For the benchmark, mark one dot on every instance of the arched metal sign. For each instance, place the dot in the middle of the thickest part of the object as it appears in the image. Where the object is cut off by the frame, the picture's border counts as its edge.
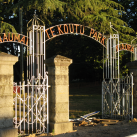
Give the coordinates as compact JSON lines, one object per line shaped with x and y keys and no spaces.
{"x":55,"y":31}
{"x":71,"y":28}
{"x":14,"y":37}
{"x":126,"y":47}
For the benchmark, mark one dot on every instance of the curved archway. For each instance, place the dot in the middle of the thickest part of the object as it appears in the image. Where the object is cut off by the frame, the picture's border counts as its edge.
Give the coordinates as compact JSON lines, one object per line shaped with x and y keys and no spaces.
{"x":125,"y":46}
{"x":71,"y":28}
{"x":14,"y":37}
{"x":55,"y":31}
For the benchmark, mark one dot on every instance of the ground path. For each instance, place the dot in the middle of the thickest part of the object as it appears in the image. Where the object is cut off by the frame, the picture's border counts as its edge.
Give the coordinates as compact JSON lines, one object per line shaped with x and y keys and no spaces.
{"x":121,"y":129}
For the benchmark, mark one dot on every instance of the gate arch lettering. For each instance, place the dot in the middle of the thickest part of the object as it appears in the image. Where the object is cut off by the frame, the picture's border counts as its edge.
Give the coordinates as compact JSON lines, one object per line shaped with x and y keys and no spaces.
{"x":125,"y":46}
{"x":14,"y":37}
{"x":63,"y":29}
{"x":55,"y":31}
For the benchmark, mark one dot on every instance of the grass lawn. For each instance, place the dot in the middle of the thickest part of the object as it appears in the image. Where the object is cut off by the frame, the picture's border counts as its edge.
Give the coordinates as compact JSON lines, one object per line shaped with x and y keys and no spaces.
{"x":84,"y":97}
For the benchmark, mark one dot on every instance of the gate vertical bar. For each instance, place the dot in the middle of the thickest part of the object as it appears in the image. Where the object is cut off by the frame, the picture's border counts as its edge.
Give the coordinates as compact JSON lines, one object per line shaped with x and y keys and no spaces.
{"x":129,"y":97}
{"x":20,"y":105}
{"x":103,"y":63}
{"x":24,"y":104}
{"x":110,"y":57}
{"x":132,"y":94}
{"x":36,"y":52}
{"x":44,"y":44}
{"x":32,"y":94}
{"x":47,"y":106}
{"x":102,"y":100}
{"x":33,"y":70}
{"x":111,"y":84}
{"x":16,"y":107}
{"x":124,"y":97}
{"x":36,"y":100}
{"x":118,"y":59}
{"x":44,"y":107}
{"x":28,"y":103}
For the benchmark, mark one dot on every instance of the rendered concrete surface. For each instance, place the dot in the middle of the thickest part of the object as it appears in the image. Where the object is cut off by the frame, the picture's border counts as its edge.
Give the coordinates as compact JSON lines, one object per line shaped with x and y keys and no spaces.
{"x":6,"y":95}
{"x":9,"y":132}
{"x":59,"y":128}
{"x":59,"y":94}
{"x":133,"y":68}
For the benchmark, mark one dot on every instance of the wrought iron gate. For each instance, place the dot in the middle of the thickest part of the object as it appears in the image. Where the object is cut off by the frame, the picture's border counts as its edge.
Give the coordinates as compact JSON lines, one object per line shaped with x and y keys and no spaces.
{"x":111,"y":57}
{"x":117,"y":98}
{"x":117,"y":94}
{"x":31,"y":106}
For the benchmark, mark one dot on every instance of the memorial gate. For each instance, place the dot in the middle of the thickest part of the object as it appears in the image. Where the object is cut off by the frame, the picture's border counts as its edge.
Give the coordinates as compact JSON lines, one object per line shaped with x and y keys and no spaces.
{"x":42,"y":101}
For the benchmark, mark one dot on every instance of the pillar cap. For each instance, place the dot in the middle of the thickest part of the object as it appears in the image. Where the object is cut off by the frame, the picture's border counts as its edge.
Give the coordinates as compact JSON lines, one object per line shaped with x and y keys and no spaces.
{"x":58,"y":60}
{"x":4,"y":58}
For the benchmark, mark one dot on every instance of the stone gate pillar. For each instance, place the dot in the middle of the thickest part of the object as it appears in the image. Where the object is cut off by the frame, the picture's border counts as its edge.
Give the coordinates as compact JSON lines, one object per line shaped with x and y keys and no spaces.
{"x":6,"y":95}
{"x":59,"y":94}
{"x":133,"y":68}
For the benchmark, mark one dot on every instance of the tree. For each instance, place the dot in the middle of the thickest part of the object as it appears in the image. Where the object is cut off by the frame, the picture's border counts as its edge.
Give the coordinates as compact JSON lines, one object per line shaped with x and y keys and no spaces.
{"x":94,"y":13}
{"x":4,"y":25}
{"x":130,"y":8}
{"x":130,"y":18}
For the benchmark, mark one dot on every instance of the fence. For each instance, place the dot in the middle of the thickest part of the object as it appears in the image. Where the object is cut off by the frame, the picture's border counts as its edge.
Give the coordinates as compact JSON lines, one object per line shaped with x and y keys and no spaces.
{"x":31,"y":106}
{"x":117,"y":98}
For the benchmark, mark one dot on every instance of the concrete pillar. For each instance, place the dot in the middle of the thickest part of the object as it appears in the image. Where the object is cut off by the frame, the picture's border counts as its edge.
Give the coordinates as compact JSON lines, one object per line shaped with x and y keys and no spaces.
{"x":59,"y":94}
{"x":6,"y":95}
{"x":133,"y":68}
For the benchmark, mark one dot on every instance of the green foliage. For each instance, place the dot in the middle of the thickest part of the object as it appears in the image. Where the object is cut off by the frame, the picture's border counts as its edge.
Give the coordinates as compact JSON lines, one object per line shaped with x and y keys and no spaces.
{"x":53,"y":132}
{"x":4,"y":25}
{"x":124,"y":57}
{"x":96,"y":14}
{"x":86,"y":53}
{"x":130,"y":8}
{"x":46,"y":6}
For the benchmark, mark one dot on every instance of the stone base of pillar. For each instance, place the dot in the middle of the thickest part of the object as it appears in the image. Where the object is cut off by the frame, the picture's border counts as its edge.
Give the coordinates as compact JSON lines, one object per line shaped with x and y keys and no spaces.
{"x":59,"y":128}
{"x":8,"y":132}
